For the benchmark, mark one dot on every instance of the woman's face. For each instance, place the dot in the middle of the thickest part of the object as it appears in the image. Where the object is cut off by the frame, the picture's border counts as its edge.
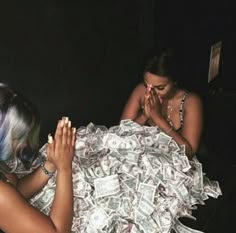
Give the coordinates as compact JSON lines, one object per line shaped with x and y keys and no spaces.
{"x":163,"y":86}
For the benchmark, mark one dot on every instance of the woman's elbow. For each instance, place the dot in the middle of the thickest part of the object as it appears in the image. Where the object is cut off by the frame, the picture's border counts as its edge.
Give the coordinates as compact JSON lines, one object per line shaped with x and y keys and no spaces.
{"x":191,"y":152}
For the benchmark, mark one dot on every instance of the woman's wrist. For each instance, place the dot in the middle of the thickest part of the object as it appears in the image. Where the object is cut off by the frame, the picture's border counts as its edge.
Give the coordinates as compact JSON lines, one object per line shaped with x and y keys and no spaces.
{"x":64,"y":170}
{"x":141,"y":119}
{"x":47,"y":169}
{"x":143,"y":116}
{"x":162,"y":124}
{"x":169,"y":130}
{"x":49,"y":166}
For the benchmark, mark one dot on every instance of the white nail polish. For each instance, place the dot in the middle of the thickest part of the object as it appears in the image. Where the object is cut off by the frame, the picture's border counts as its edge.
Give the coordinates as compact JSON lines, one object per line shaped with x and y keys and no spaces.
{"x":69,"y":123}
{"x":50,"y":140}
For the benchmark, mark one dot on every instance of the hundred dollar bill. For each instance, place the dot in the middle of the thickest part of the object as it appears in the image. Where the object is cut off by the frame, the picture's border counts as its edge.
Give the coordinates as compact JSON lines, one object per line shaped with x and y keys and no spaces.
{"x":145,"y":207}
{"x":98,"y":218}
{"x":148,"y":191}
{"x":148,"y":225}
{"x":79,"y":187}
{"x":212,"y":188}
{"x":128,"y":178}
{"x":164,"y":139}
{"x":107,"y":186}
{"x":43,"y":199}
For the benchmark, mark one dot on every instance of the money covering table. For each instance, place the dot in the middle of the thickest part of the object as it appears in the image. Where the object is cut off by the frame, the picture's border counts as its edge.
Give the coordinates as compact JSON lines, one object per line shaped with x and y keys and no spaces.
{"x":130,"y":178}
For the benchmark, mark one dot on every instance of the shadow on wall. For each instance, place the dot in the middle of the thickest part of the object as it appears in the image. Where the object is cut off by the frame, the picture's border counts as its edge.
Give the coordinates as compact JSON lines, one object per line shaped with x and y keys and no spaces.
{"x":71,"y":59}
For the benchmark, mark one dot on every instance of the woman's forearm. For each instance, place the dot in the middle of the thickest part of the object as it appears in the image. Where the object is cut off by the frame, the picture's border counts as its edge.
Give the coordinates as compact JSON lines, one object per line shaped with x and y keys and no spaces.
{"x":165,"y":127}
{"x":141,"y":119}
{"x":62,"y":208}
{"x":32,"y":183}
{"x":181,"y":141}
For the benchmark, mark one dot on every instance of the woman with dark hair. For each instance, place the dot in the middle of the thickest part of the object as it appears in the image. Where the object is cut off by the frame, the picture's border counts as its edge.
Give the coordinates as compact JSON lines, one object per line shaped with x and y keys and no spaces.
{"x":160,"y":101}
{"x":19,"y":133}
{"x":132,"y":178}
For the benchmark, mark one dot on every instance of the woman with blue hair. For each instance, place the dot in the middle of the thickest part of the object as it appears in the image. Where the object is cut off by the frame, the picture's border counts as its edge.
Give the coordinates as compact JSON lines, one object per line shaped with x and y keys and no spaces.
{"x":19,"y":133}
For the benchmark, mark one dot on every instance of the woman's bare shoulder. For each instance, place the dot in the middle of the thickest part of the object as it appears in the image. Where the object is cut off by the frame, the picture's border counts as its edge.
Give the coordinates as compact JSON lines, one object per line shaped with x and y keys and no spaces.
{"x":139,"y":89}
{"x":14,"y":208}
{"x":193,"y":99}
{"x":7,"y":192}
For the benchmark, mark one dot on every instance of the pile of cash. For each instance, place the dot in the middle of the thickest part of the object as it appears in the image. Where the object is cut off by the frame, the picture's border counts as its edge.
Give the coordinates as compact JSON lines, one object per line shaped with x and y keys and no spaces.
{"x":131,"y":178}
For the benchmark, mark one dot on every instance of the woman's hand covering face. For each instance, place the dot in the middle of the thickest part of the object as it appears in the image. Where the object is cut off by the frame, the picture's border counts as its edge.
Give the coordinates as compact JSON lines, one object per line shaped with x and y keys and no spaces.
{"x":152,"y":103}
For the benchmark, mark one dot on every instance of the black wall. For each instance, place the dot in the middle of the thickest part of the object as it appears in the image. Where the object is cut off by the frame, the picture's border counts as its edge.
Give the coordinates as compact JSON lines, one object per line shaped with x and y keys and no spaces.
{"x":75,"y":58}
{"x":191,"y":28}
{"x":82,"y":58}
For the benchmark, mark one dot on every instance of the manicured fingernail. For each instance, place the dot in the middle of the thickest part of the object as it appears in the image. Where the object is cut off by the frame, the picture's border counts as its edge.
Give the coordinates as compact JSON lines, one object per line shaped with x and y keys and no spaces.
{"x":66,"y":120}
{"x":69,"y":123}
{"x":50,"y":140}
{"x":62,"y":123}
{"x":74,"y":129}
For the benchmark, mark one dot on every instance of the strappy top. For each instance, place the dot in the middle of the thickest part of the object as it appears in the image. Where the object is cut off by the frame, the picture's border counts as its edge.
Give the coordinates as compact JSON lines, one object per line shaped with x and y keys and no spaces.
{"x":181,"y":111}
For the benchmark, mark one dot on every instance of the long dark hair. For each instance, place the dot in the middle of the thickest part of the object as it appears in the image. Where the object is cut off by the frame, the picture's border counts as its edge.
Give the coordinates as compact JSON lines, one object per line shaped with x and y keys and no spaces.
{"x":19,"y":127}
{"x":165,"y":62}
{"x":162,"y":64}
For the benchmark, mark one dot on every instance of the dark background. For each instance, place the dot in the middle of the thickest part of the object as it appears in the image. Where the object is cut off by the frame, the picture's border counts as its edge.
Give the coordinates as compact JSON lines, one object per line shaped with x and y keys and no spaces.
{"x":81,"y":59}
